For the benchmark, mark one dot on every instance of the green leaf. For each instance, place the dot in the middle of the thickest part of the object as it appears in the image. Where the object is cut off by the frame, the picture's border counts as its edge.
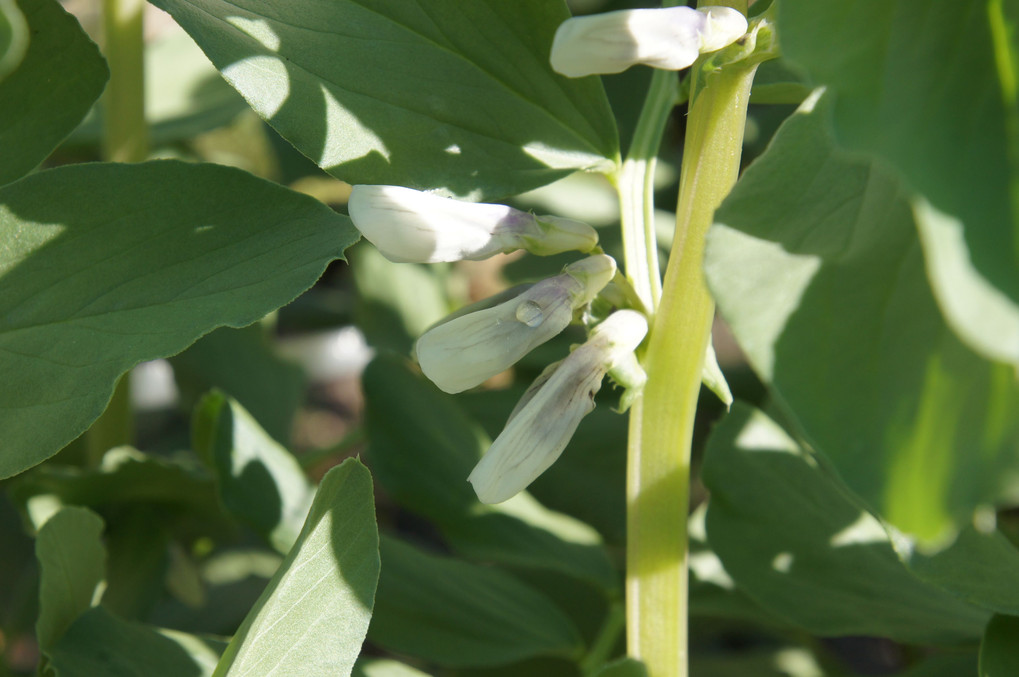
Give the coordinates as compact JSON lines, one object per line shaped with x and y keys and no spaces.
{"x":624,"y":667}
{"x":313,"y":615}
{"x":794,"y":539}
{"x":999,"y":651}
{"x":106,"y":265}
{"x":242,"y":363}
{"x":60,"y":77}
{"x":13,"y":37}
{"x":71,"y":560}
{"x":815,"y":263}
{"x":981,"y":567}
{"x":125,"y":475}
{"x":423,"y":462}
{"x":396,"y":302}
{"x":380,"y":667}
{"x":260,"y":482}
{"x":100,"y":643}
{"x":931,"y":88}
{"x":447,"y":95}
{"x":458,"y":614}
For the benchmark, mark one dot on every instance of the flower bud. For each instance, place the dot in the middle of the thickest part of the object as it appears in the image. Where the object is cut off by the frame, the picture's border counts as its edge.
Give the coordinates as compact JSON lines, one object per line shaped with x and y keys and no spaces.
{"x":670,"y":38}
{"x":470,"y":349}
{"x":550,"y":411}
{"x":409,"y":226}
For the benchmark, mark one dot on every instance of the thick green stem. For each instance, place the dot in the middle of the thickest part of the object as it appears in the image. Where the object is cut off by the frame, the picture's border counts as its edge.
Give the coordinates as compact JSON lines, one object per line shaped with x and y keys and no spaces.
{"x":125,"y":139}
{"x":661,"y":423}
{"x":635,"y":184}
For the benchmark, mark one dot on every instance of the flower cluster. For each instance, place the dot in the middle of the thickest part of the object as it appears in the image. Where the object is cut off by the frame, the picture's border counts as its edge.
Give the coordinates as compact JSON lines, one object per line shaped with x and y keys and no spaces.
{"x":477,"y":343}
{"x":480,"y":341}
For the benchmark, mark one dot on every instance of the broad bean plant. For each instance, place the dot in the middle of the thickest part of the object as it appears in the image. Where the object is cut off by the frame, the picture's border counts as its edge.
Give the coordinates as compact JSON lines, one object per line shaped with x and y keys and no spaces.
{"x":693,"y":338}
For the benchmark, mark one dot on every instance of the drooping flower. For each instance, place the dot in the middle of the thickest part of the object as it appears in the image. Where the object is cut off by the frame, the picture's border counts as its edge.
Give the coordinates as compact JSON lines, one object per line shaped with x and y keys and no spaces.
{"x":670,"y":38}
{"x":410,"y":226}
{"x":471,"y":348}
{"x":548,"y":414}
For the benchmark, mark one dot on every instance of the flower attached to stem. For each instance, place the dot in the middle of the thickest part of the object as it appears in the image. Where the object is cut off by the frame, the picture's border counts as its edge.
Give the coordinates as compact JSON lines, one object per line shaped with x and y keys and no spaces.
{"x":471,"y":348}
{"x":409,"y":226}
{"x":549,"y":412}
{"x":670,"y":38}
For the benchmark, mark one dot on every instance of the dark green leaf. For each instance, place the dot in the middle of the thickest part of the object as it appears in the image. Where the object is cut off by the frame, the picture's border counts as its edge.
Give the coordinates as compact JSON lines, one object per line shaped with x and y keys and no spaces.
{"x":424,"y":461}
{"x":125,"y":475}
{"x":815,"y":263}
{"x":242,"y":363}
{"x":459,"y":614}
{"x":313,"y":615}
{"x":106,"y":265}
{"x":59,"y":79}
{"x":440,"y":95}
{"x":624,"y":667}
{"x":396,"y":302}
{"x":100,"y":643}
{"x":380,"y":667}
{"x":794,"y":539}
{"x":72,"y":560}
{"x":999,"y":652}
{"x":260,"y":482}
{"x":924,"y":85}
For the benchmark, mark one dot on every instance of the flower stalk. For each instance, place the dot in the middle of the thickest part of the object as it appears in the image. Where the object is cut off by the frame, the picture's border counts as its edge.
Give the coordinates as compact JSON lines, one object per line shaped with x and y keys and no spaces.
{"x":661,"y":422}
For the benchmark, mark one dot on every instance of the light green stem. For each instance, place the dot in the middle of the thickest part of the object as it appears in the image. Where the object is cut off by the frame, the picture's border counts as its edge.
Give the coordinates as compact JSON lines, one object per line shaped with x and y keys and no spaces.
{"x":661,"y":422}
{"x":125,"y":135}
{"x":635,"y":184}
{"x":125,"y":139}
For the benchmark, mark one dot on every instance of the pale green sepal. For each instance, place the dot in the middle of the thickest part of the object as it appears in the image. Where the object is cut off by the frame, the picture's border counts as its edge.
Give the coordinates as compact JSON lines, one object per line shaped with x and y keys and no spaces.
{"x":713,"y":378}
{"x":13,"y":37}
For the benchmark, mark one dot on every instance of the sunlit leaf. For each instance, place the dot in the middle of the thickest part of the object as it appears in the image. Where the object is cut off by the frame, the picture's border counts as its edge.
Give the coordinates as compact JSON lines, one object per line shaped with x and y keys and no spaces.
{"x":794,"y":540}
{"x":103,"y":266}
{"x":446,"y":94}
{"x":260,"y":482}
{"x":313,"y":615}
{"x":60,"y":77}
{"x":931,"y":88}
{"x":816,"y":265}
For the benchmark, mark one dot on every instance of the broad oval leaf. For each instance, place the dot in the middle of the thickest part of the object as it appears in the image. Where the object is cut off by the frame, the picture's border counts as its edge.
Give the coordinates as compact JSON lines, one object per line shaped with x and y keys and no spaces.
{"x":999,"y":650}
{"x":100,"y":643}
{"x":260,"y":482}
{"x":815,"y":262}
{"x":104,"y":266}
{"x":794,"y":540}
{"x":424,"y":462}
{"x":72,"y":564}
{"x":459,"y":614}
{"x":445,"y":94}
{"x":313,"y":615}
{"x":930,"y":87}
{"x":51,"y":90}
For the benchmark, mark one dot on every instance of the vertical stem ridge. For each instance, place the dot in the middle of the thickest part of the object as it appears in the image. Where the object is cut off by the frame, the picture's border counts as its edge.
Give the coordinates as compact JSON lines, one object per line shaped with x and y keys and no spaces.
{"x":661,"y":425}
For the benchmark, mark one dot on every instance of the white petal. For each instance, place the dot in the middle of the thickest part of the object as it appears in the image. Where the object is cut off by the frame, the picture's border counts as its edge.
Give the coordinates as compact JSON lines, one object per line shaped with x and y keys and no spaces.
{"x":411,"y":226}
{"x":548,"y":415}
{"x":539,"y":432}
{"x":669,"y":38}
{"x":468,"y":350}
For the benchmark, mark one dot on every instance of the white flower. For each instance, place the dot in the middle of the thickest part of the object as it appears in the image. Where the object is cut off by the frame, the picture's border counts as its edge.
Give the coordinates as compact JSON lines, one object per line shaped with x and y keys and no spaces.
{"x":409,"y":226}
{"x":670,"y":38}
{"x":469,"y":349}
{"x":547,"y":416}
